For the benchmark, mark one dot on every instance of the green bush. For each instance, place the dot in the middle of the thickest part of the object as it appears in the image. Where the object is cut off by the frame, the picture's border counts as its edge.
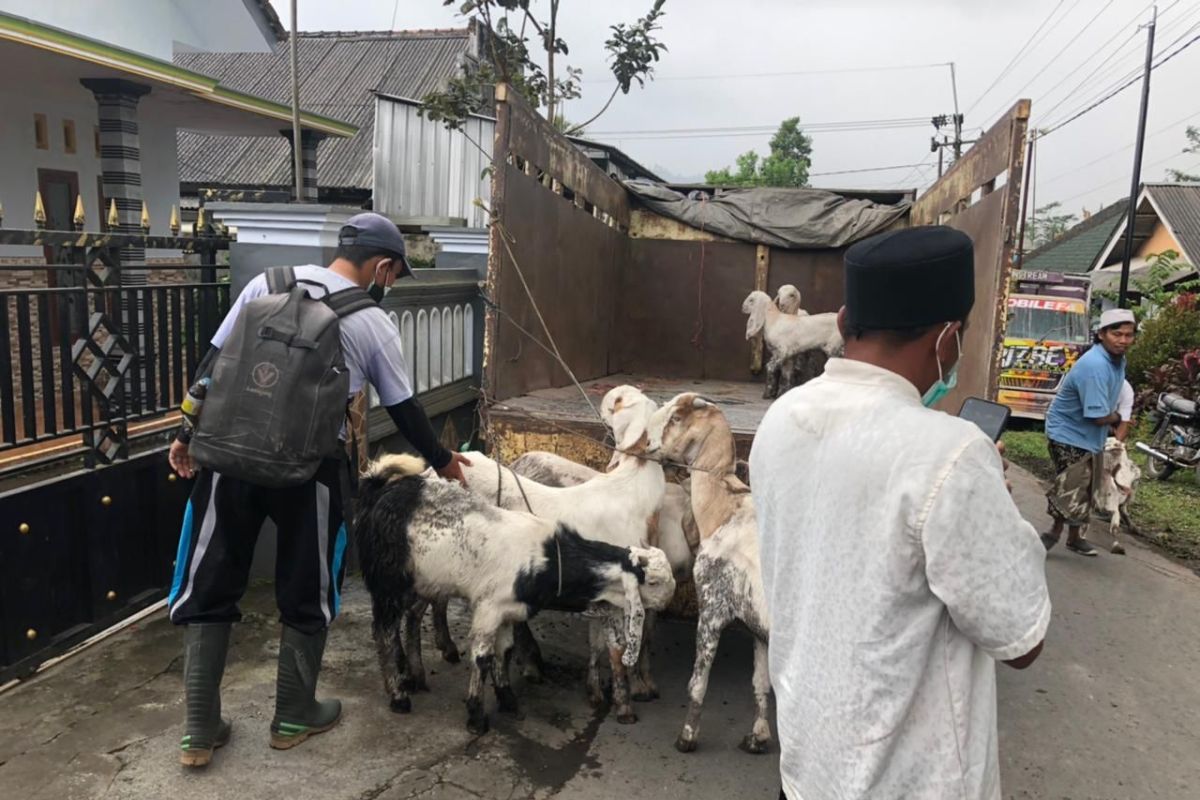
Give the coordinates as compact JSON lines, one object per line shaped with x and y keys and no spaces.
{"x":1175,"y":330}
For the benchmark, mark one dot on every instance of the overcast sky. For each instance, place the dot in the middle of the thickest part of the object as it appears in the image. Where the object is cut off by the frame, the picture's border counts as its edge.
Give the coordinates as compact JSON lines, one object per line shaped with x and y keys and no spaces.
{"x":716,"y":75}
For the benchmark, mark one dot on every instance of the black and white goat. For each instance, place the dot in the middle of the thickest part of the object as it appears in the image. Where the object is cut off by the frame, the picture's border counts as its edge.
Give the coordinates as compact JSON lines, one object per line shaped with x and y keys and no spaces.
{"x":421,"y":538}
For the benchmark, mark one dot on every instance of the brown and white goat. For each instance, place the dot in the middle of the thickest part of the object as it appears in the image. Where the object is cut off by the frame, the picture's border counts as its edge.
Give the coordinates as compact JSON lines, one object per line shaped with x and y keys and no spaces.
{"x":727,"y":570}
{"x":1118,"y":481}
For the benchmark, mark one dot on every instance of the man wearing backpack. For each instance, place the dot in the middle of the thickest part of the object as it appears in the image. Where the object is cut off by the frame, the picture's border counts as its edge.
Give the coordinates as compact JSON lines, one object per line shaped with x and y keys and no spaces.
{"x":270,"y":443}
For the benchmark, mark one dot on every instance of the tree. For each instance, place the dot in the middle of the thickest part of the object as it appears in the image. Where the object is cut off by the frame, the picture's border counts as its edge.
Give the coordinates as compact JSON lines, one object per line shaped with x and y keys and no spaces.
{"x":632,"y":49}
{"x":1193,"y":137}
{"x":786,"y":165}
{"x":1047,"y":225}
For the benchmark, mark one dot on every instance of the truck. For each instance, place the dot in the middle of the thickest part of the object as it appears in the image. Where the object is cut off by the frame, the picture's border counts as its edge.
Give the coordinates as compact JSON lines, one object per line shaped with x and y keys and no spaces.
{"x":1047,"y":330}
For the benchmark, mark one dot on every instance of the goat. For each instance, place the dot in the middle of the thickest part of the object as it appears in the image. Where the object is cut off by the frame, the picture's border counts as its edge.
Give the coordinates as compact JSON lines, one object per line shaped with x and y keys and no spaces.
{"x":677,"y":533}
{"x":788,"y":336}
{"x":798,"y":369}
{"x":621,"y":507}
{"x":727,"y":571}
{"x":1118,"y":480}
{"x":421,"y":538}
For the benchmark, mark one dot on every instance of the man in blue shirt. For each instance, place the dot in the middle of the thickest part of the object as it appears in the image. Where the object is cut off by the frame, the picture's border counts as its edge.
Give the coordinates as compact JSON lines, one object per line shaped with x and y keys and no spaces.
{"x":1078,"y":423}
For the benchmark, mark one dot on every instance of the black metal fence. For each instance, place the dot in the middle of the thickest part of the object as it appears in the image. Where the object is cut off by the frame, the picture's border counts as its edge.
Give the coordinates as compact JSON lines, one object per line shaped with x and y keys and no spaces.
{"x":90,"y":345}
{"x":93,"y":346}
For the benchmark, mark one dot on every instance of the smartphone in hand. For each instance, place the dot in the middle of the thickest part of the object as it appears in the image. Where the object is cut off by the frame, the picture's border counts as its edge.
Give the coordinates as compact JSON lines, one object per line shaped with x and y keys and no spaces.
{"x":992,"y":418}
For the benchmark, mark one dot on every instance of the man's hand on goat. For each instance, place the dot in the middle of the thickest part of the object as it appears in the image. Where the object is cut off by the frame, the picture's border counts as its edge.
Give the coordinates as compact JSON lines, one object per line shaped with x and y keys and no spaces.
{"x":453,"y":470}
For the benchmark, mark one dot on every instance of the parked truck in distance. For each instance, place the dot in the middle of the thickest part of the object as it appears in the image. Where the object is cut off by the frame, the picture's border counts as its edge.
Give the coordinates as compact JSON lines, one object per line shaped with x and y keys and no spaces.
{"x":1047,"y":330}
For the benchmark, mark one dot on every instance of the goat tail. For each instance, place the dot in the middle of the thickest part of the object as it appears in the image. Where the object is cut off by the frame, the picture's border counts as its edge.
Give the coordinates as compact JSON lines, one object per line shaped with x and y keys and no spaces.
{"x":394,"y":465}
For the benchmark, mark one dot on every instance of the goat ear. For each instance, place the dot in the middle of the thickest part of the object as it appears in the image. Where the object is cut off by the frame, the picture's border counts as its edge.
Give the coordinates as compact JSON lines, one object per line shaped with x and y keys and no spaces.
{"x":758,"y":316}
{"x":635,"y":617}
{"x":699,"y":402}
{"x":632,"y":420}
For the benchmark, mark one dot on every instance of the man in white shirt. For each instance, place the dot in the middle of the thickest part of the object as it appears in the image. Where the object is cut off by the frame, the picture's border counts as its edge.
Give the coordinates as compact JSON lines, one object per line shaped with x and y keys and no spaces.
{"x":1124,"y":411}
{"x":896,"y":565}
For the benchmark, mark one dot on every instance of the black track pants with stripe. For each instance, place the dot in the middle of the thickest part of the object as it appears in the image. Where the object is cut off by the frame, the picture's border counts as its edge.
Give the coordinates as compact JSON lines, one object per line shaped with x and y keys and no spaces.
{"x":216,"y":547}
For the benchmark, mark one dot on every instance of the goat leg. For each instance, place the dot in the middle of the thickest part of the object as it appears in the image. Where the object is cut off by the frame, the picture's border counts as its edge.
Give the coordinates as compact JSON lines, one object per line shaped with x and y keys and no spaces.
{"x":708,"y":635}
{"x":760,"y":735}
{"x":529,"y":653}
{"x":644,"y":688}
{"x":1115,"y":530}
{"x":412,"y":645}
{"x":441,"y":631}
{"x":596,"y":646}
{"x":615,"y":640}
{"x":771,"y":391}
{"x":385,"y":626}
{"x":506,"y":699}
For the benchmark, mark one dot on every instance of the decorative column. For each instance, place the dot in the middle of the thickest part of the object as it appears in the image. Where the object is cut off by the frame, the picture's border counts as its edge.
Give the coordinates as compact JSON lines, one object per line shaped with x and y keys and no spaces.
{"x":121,"y":154}
{"x":308,"y":161}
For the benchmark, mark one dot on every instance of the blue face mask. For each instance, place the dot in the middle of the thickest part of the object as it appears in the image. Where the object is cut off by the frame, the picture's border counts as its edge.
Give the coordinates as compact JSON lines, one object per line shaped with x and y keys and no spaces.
{"x":949,"y":380}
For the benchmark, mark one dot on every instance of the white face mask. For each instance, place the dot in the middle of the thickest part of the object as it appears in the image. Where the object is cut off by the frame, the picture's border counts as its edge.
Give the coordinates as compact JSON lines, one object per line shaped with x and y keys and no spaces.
{"x":949,"y":380}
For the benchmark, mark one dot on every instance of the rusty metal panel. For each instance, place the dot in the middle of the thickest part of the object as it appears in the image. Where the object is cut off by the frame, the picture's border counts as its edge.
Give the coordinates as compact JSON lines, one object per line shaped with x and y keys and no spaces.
{"x":533,"y":139}
{"x":679,"y":306}
{"x":965,"y":198}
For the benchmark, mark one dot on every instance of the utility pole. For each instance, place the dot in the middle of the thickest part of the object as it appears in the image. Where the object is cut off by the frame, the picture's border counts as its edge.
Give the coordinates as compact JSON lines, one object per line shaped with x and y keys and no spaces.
{"x":1025,"y":200}
{"x":958,"y":118}
{"x":297,"y":149}
{"x":941,"y":121}
{"x":1137,"y":162}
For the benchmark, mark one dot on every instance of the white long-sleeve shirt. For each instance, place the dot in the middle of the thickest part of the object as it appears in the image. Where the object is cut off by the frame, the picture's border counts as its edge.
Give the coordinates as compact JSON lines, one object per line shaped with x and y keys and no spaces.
{"x":897,"y":570}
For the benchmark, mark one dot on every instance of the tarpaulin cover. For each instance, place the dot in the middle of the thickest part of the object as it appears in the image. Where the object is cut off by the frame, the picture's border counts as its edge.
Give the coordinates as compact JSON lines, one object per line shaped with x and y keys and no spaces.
{"x":788,"y":218}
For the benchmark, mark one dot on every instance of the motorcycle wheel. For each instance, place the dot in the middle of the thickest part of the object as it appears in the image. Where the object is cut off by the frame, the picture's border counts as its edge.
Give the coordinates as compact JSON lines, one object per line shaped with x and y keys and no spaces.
{"x":1156,"y":468}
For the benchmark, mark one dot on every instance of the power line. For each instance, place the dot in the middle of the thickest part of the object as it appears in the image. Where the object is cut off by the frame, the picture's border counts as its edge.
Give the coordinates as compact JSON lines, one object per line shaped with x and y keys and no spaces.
{"x":1057,"y":55}
{"x":1118,"y":179}
{"x":1016,"y":57}
{"x":806,"y":126}
{"x":864,"y":169}
{"x":1129,"y":74}
{"x":1120,"y":89}
{"x":1156,"y":132}
{"x":784,"y":74}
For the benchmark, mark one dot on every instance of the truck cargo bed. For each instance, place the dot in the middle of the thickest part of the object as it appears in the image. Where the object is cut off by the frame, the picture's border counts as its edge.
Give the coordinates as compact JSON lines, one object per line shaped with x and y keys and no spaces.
{"x":559,"y":420}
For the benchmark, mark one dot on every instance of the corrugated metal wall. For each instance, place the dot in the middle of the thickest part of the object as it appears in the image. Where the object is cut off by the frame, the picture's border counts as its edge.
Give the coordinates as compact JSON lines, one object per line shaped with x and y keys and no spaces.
{"x":424,"y":170}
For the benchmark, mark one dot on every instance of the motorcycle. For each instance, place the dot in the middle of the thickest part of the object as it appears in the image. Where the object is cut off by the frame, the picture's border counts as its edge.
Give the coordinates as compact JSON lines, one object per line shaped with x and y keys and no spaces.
{"x":1176,"y":440}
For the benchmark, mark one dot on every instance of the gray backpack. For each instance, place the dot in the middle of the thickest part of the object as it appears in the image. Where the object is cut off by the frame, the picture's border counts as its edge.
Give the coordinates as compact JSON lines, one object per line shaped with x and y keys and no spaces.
{"x":279,"y":387}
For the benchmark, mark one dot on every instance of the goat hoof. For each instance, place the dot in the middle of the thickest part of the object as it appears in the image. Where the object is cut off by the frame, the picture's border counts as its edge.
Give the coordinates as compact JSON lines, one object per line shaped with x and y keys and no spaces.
{"x":645,"y":696}
{"x":401,"y":705}
{"x":415,"y":685}
{"x":685,"y":745}
{"x":532,"y":675}
{"x":506,"y":700}
{"x":595,"y":700}
{"x":478,"y":725}
{"x":451,"y":656}
{"x":628,"y":718}
{"x":752,"y":744}
{"x":1118,"y":549}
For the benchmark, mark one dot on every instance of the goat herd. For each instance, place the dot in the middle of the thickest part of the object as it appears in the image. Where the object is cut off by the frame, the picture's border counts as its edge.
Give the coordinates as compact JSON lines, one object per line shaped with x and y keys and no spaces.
{"x":548,"y":533}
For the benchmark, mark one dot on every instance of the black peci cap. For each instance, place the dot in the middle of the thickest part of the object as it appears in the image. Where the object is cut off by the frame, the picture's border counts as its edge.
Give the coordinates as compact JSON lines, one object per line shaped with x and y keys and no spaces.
{"x":374,"y":230}
{"x":910,"y":278}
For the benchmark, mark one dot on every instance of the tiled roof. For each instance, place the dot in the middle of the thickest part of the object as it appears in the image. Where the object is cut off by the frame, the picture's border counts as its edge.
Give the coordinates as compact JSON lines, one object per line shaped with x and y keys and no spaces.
{"x":1077,"y":249}
{"x":339,"y":74}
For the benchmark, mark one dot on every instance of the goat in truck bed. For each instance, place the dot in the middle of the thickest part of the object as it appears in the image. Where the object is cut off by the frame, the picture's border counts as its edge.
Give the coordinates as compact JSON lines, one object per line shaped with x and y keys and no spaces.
{"x":423,"y":538}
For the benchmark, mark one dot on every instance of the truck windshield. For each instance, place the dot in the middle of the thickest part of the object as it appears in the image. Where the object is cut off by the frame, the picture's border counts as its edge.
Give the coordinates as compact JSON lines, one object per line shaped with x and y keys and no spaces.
{"x":1043,"y":324}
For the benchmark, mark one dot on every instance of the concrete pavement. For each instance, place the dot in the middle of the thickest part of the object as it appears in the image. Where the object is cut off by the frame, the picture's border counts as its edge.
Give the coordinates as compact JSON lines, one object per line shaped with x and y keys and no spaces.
{"x":1109,"y":711}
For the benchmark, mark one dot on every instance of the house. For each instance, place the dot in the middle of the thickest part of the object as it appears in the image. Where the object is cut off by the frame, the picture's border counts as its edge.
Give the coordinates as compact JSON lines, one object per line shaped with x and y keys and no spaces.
{"x":1167,"y":218}
{"x":93,"y":104}
{"x":342,"y":74}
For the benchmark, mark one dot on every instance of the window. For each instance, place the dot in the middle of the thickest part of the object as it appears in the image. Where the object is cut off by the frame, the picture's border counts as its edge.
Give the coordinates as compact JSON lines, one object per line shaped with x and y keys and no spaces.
{"x":68,"y":135}
{"x":41,"y":133}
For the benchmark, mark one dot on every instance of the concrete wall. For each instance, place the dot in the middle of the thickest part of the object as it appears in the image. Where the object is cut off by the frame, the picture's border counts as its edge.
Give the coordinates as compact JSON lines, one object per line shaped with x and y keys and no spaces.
{"x":20,"y":158}
{"x":154,"y":27}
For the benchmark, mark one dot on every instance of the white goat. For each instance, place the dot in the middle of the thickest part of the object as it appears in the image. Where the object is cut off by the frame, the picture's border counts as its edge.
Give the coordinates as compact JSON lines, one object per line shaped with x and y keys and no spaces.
{"x":798,"y":369}
{"x":727,"y":571}
{"x":421,"y":537}
{"x":1118,"y":481}
{"x":788,"y":300}
{"x":621,"y":507}
{"x":789,"y":335}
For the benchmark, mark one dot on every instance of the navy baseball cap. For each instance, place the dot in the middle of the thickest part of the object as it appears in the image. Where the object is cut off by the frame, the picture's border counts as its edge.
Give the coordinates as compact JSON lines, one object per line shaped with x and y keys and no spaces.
{"x":375,"y":230}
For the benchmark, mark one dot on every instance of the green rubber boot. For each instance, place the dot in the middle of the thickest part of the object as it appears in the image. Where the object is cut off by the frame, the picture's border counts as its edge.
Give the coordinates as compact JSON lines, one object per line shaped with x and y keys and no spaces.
{"x":204,"y":730}
{"x":298,"y":713}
